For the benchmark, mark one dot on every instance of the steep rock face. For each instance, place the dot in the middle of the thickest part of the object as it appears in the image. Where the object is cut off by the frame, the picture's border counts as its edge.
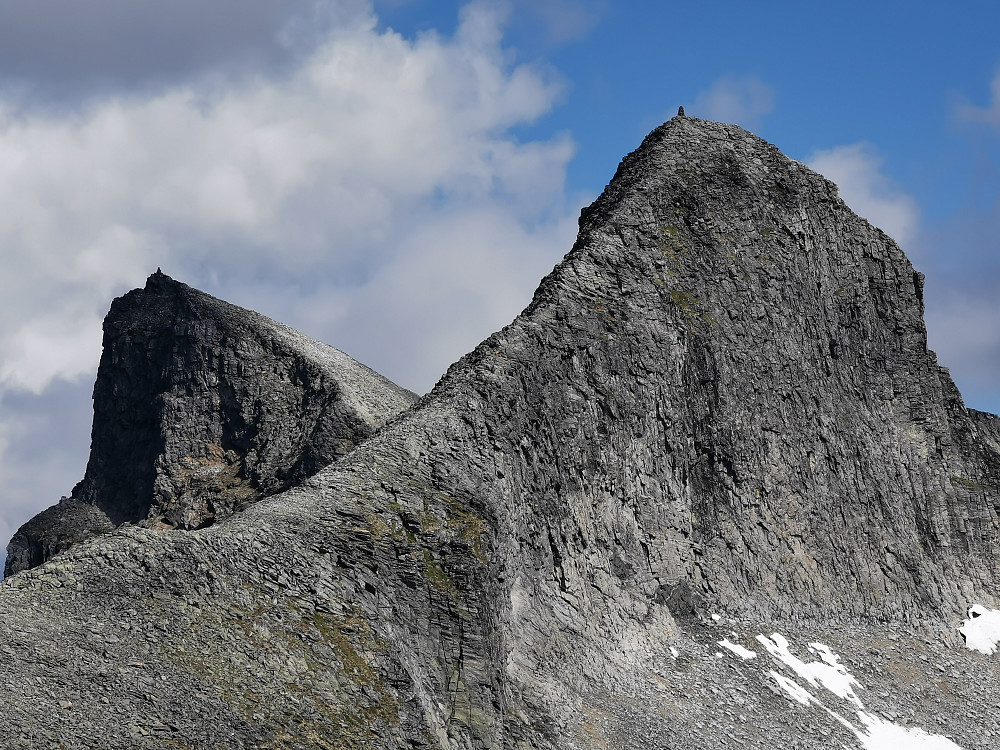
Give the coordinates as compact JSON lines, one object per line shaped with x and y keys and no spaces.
{"x":808,"y":451}
{"x":721,"y":401}
{"x":200,"y":408}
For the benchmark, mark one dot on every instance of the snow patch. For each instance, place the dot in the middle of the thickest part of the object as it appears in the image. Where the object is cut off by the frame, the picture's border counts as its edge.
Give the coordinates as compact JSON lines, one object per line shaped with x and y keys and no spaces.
{"x":743,"y":653}
{"x":794,"y":690}
{"x":982,"y":629}
{"x":829,"y":673}
{"x":873,"y":733}
{"x":879,"y":734}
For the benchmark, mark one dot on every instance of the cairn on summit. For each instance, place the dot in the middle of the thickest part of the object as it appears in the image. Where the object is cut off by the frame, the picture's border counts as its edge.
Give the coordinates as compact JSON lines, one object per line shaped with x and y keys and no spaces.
{"x":717,"y":419}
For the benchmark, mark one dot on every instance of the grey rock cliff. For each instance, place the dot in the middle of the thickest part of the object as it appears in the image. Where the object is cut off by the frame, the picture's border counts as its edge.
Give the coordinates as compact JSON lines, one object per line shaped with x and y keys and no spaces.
{"x":200,"y":408}
{"x":720,"y":402}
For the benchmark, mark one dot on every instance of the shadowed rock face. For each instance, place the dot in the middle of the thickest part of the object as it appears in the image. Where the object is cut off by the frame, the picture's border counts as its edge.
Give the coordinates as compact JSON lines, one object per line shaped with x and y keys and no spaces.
{"x":721,"y":401}
{"x":200,"y":408}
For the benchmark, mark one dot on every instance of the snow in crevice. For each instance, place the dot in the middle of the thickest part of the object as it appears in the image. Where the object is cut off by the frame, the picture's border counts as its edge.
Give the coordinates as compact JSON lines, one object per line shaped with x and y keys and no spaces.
{"x":794,"y":690}
{"x":879,"y":734}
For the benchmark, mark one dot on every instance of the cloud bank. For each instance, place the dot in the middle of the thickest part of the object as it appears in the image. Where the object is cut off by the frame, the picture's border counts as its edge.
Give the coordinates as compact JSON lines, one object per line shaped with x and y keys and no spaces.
{"x":61,"y":52}
{"x":318,"y":186}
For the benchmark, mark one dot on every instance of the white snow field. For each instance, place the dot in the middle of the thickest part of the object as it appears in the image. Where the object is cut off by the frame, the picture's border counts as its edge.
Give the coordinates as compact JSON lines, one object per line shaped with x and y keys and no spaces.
{"x":827,"y":673}
{"x":982,"y":629}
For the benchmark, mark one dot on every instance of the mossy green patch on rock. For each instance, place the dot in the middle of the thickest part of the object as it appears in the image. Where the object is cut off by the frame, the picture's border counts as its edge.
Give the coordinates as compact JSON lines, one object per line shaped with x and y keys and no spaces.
{"x":687,"y":302}
{"x":437,"y":578}
{"x":973,"y":486}
{"x":670,"y":243}
{"x":471,"y":530}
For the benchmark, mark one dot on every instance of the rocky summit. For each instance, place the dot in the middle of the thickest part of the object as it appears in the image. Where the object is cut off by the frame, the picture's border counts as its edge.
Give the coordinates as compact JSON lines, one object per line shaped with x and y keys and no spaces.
{"x":201,"y":408}
{"x":709,"y":490}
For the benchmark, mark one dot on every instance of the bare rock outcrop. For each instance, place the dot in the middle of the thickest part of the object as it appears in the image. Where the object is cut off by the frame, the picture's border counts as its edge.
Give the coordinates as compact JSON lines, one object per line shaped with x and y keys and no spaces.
{"x":200,"y":408}
{"x":718,"y":411}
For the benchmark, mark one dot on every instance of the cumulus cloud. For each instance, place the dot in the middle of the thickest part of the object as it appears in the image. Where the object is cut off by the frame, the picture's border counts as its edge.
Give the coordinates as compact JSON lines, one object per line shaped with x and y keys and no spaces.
{"x":437,"y":286}
{"x":372,"y":196}
{"x":743,"y":100}
{"x":328,"y":175}
{"x":857,"y":170}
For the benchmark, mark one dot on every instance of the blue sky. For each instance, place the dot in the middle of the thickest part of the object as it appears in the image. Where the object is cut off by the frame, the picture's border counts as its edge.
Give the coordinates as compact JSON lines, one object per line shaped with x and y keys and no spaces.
{"x":893,"y":74}
{"x":394,"y":179}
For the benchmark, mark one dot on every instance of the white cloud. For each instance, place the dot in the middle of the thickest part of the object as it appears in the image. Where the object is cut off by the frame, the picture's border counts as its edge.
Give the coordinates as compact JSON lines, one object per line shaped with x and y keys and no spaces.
{"x":857,"y":171}
{"x":438,"y":285}
{"x":374,"y":197}
{"x":327,"y":176}
{"x":989,"y":114}
{"x":962,"y":329}
{"x":743,"y":100}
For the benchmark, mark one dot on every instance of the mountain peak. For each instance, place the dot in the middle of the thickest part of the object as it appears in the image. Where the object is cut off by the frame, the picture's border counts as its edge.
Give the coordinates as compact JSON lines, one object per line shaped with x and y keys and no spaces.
{"x":160,"y":281}
{"x":718,"y":408}
{"x":200,"y":409}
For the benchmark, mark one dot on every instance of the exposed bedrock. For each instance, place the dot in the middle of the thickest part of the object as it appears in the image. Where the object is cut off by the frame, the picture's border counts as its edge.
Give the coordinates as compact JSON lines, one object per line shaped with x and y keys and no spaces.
{"x":200,"y":408}
{"x":720,"y":402}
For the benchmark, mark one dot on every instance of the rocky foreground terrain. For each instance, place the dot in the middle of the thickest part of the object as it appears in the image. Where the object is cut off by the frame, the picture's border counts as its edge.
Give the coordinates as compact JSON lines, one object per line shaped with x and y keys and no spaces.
{"x":709,"y":490}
